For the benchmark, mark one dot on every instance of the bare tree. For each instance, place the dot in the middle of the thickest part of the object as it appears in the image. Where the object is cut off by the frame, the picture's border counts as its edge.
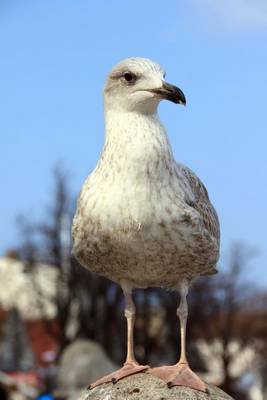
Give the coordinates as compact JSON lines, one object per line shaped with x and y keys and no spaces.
{"x":49,"y":241}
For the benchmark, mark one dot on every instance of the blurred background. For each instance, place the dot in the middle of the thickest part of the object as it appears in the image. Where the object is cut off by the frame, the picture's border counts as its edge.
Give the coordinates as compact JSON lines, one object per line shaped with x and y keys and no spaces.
{"x":60,"y":326}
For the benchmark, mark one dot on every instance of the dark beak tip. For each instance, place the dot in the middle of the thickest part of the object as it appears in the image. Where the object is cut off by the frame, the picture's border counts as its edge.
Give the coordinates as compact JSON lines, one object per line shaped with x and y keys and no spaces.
{"x":181,"y":97}
{"x":171,"y":92}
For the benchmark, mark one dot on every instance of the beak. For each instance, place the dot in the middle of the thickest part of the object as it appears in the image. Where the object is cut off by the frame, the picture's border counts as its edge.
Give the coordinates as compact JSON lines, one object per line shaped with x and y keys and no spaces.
{"x":170,"y":92}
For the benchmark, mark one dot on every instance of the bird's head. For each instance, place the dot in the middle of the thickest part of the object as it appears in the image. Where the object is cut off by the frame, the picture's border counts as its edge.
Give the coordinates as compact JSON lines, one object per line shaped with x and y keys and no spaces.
{"x":138,"y":84}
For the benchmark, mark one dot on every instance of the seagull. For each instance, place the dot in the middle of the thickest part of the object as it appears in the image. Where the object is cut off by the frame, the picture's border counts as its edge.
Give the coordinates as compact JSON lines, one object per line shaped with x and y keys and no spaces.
{"x":142,"y":219}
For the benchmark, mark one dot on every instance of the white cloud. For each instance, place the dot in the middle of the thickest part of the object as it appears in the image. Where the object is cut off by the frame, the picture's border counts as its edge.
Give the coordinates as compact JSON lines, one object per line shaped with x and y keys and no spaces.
{"x":239,"y":15}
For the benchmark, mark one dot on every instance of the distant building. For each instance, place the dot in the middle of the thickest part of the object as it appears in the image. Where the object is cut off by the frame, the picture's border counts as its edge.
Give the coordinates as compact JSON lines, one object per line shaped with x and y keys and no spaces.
{"x":30,"y":291}
{"x":26,"y":305}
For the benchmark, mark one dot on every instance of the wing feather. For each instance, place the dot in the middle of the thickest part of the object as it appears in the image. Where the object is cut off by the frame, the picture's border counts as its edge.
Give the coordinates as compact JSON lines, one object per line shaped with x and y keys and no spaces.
{"x":201,"y":202}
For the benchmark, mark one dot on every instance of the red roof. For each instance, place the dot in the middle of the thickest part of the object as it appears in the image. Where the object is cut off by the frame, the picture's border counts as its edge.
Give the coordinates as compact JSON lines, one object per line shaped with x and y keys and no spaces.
{"x":43,"y":340}
{"x":3,"y":314}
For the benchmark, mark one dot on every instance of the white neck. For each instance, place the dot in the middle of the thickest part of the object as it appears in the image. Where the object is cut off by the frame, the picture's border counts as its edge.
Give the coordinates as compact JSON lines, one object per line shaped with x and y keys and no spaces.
{"x":137,"y":144}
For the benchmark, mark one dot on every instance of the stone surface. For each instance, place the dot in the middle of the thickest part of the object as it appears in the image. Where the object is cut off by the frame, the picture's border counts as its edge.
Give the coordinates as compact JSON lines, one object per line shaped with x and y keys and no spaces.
{"x":82,"y":362}
{"x":147,"y":387}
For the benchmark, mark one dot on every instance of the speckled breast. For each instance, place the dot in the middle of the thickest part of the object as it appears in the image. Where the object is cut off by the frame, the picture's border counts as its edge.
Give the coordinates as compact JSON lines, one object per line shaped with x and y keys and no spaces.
{"x":155,"y":253}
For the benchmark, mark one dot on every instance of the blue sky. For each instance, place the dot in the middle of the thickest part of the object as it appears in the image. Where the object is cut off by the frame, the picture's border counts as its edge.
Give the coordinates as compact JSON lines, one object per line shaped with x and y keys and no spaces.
{"x":54,"y":56}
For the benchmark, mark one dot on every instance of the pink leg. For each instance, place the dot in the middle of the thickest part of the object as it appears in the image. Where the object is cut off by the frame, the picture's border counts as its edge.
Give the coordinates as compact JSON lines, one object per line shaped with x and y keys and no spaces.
{"x":181,"y":374}
{"x":130,"y":366}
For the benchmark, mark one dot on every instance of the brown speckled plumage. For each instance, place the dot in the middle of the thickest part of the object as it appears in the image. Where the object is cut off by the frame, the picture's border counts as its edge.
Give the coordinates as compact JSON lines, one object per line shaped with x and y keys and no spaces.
{"x":141,"y":217}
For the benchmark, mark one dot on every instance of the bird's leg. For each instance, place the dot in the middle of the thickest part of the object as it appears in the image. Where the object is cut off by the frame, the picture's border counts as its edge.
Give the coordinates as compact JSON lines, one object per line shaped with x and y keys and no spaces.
{"x":184,"y":375}
{"x":130,"y":366}
{"x":181,"y":374}
{"x":182,"y":313}
{"x":130,"y":317}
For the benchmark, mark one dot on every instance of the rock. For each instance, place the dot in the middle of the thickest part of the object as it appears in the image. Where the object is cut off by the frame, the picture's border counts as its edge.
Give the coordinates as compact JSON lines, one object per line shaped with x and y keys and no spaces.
{"x":147,"y":387}
{"x":82,"y":362}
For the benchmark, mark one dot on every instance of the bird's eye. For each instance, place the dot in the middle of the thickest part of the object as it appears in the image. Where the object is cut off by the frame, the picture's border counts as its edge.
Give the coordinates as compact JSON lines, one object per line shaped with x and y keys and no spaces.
{"x":129,"y":77}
